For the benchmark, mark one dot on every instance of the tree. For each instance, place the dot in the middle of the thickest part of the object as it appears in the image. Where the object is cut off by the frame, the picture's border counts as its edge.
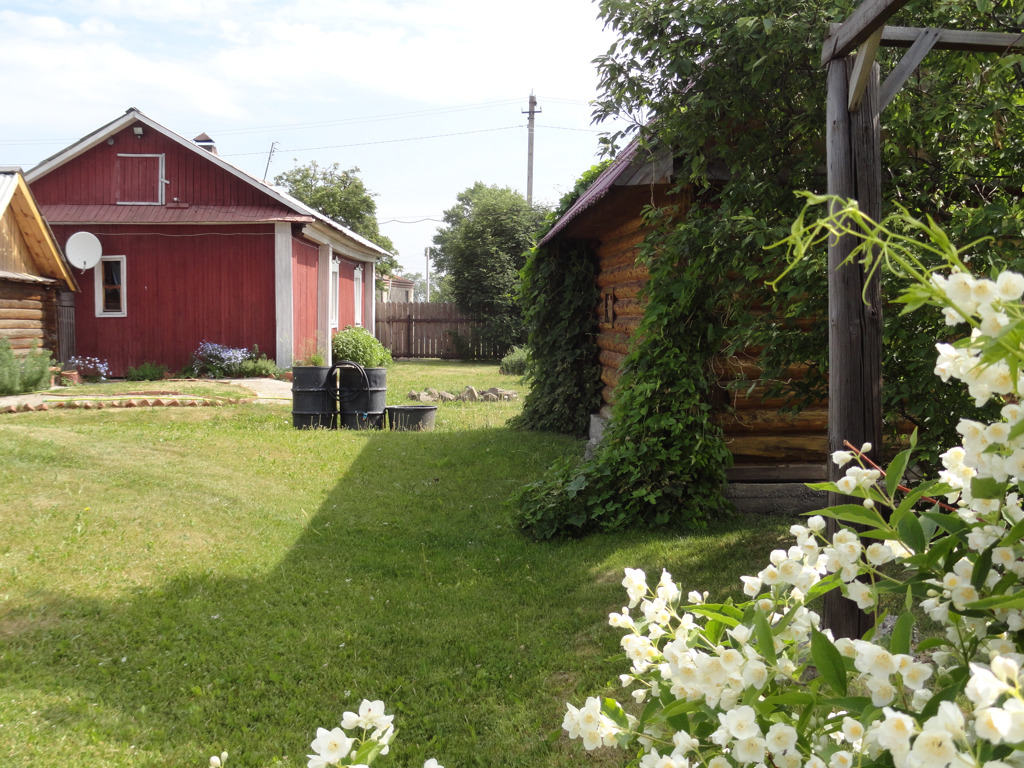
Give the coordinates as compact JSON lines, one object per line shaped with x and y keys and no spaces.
{"x":481,"y":249}
{"x":342,"y":196}
{"x":737,"y":90}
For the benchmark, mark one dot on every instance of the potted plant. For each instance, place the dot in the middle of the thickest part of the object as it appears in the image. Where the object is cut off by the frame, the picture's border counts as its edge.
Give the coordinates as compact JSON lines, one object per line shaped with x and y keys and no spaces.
{"x":361,"y":362}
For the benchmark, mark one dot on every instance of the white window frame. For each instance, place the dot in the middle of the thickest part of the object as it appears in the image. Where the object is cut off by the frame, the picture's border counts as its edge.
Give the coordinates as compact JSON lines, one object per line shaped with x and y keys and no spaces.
{"x":98,"y":290}
{"x":335,"y":292}
{"x":358,"y":284}
{"x":161,"y":182}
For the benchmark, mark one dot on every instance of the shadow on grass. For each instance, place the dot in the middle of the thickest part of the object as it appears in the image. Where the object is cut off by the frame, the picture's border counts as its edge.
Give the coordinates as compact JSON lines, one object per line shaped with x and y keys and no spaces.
{"x":413,"y":589}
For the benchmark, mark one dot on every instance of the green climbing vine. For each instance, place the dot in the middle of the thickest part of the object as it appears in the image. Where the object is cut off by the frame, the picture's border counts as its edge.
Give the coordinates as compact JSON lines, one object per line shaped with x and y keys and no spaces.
{"x":558,"y":291}
{"x":661,"y":460}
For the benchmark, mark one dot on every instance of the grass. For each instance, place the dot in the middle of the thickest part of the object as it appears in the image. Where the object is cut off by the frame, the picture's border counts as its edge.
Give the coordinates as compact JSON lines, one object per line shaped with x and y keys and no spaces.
{"x":176,"y":582}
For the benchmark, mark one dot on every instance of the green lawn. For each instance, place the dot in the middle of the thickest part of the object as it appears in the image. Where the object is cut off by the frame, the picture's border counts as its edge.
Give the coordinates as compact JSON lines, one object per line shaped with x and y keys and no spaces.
{"x":178,"y":582}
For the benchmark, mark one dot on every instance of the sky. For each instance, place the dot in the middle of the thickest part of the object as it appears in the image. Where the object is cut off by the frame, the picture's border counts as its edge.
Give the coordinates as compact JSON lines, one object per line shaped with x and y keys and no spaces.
{"x":425,"y":97}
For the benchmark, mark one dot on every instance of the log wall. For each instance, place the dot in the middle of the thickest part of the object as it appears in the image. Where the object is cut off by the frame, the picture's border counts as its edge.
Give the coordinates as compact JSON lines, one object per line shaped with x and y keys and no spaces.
{"x":28,"y":316}
{"x":766,"y":444}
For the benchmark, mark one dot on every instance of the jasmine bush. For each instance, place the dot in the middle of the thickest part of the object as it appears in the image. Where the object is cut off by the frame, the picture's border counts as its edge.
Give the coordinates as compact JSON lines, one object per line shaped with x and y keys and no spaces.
{"x":25,"y":373}
{"x":761,"y":683}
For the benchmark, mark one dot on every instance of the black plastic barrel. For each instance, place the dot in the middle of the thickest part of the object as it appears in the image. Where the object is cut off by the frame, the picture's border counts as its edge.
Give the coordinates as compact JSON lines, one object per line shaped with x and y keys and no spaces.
{"x":412,"y":418}
{"x":313,"y":401}
{"x":361,"y":394}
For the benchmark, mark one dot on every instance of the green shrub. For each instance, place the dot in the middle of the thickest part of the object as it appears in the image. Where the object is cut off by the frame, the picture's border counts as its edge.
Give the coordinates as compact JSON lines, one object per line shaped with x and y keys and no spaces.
{"x":359,"y":346}
{"x":146,"y":372}
{"x":26,"y":373}
{"x":257,"y":368}
{"x":516,"y":362}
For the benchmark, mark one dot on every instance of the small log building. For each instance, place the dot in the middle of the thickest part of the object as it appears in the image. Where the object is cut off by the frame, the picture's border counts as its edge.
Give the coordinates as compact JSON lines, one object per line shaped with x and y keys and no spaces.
{"x":767,"y":445}
{"x":37,"y":286}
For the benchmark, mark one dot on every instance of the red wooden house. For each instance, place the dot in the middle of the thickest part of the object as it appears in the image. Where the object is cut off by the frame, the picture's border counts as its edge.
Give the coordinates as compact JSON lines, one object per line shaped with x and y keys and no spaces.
{"x":195,"y":249}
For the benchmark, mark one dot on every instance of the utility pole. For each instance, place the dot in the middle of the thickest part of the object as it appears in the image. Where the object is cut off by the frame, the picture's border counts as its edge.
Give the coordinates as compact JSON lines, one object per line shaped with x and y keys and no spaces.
{"x":270,"y":156}
{"x":529,"y":155}
{"x":426,"y":253}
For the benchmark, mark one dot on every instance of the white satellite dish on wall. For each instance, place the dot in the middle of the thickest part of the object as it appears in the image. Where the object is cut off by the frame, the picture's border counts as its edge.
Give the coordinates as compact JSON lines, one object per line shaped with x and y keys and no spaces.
{"x":83,"y":250}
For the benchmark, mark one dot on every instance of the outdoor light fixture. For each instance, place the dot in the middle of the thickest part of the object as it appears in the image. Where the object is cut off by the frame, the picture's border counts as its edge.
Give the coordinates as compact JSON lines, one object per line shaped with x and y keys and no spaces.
{"x":138,"y":131}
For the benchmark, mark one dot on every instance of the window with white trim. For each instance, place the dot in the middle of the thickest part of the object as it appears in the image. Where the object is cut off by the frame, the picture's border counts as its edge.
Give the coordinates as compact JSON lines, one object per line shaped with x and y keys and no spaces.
{"x":335,"y":292}
{"x":140,"y":179}
{"x":111,"y":300}
{"x":358,"y":282}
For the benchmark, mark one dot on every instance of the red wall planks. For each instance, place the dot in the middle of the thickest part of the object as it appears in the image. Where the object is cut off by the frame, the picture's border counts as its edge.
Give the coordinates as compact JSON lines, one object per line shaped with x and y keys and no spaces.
{"x":183,"y":285}
{"x":305,"y":258}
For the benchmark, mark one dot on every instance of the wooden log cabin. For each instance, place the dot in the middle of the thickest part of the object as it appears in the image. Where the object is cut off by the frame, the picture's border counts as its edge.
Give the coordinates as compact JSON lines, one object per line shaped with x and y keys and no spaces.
{"x":36,"y":284}
{"x":767,"y":444}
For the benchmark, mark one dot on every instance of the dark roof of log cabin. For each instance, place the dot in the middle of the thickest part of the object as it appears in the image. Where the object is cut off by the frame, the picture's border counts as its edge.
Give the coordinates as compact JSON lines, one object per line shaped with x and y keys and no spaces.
{"x":633,"y":167}
{"x":298,"y":211}
{"x":16,"y":196}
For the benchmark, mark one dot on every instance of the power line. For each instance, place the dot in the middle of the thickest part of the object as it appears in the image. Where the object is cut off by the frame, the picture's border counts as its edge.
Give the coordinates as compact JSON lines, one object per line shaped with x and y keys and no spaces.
{"x":365,"y":118}
{"x":383,"y":141}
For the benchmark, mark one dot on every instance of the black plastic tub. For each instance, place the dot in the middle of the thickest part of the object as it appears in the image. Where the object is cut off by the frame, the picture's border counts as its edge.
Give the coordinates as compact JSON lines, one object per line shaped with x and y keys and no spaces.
{"x":412,"y":418}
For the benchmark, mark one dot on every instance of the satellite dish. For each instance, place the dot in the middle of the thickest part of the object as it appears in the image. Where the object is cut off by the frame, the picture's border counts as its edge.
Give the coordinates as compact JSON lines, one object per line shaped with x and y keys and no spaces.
{"x":83,"y":250}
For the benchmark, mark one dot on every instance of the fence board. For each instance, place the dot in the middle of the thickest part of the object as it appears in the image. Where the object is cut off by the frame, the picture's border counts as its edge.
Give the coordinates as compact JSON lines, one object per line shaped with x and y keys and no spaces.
{"x":426,"y":329}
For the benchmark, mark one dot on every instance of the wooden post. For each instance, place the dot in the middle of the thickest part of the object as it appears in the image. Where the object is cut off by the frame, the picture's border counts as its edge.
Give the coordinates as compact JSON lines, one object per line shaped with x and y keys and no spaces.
{"x":855,"y":327}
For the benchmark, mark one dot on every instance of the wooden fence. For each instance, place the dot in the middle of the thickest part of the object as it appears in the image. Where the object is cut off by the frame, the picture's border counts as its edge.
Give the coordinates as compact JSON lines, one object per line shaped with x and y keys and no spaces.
{"x":423,"y":329}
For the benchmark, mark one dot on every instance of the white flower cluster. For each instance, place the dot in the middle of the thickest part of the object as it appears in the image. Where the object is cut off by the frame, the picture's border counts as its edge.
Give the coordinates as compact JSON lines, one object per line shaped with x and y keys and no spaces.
{"x":336,"y":747}
{"x":742,"y":674}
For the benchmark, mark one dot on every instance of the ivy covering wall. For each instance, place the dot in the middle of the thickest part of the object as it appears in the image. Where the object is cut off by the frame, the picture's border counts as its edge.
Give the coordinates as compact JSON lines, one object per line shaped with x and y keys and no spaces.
{"x":738,"y":92}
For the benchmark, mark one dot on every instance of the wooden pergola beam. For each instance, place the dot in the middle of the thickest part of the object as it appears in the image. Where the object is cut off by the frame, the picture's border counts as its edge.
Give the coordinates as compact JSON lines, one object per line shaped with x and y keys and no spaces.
{"x":869,"y":16}
{"x":926,"y":40}
{"x":948,"y":39}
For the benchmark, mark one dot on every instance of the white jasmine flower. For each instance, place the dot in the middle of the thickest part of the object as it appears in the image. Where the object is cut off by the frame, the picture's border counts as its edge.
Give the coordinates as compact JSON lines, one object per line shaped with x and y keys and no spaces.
{"x":1009,"y":286}
{"x":895,"y":731}
{"x":984,"y":687}
{"x":842,"y":458}
{"x":371,"y":715}
{"x":750,"y":750}
{"x":635,"y":583}
{"x":331,"y":747}
{"x":933,"y":747}
{"x":741,"y":722}
{"x":780,"y":737}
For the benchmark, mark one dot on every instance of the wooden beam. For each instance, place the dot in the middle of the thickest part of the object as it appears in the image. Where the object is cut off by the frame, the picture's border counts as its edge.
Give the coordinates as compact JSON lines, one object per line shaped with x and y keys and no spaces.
{"x":949,"y":39}
{"x":862,"y":69}
{"x":869,"y":16}
{"x":905,"y":68}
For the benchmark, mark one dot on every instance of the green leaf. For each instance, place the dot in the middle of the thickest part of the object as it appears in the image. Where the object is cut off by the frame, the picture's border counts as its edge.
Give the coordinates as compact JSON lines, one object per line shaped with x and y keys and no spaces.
{"x":912,"y":534}
{"x":857,"y":514}
{"x":981,"y":569}
{"x":611,"y":708}
{"x":895,"y":473}
{"x":902,"y":631}
{"x":681,"y":707}
{"x":829,"y":661}
{"x":765,"y":639}
{"x":987,"y":488}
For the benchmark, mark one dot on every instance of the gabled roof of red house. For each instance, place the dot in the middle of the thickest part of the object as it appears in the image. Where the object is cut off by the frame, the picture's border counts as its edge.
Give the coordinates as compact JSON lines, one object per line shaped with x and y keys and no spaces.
{"x":299,"y":212}
{"x":16,"y":196}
